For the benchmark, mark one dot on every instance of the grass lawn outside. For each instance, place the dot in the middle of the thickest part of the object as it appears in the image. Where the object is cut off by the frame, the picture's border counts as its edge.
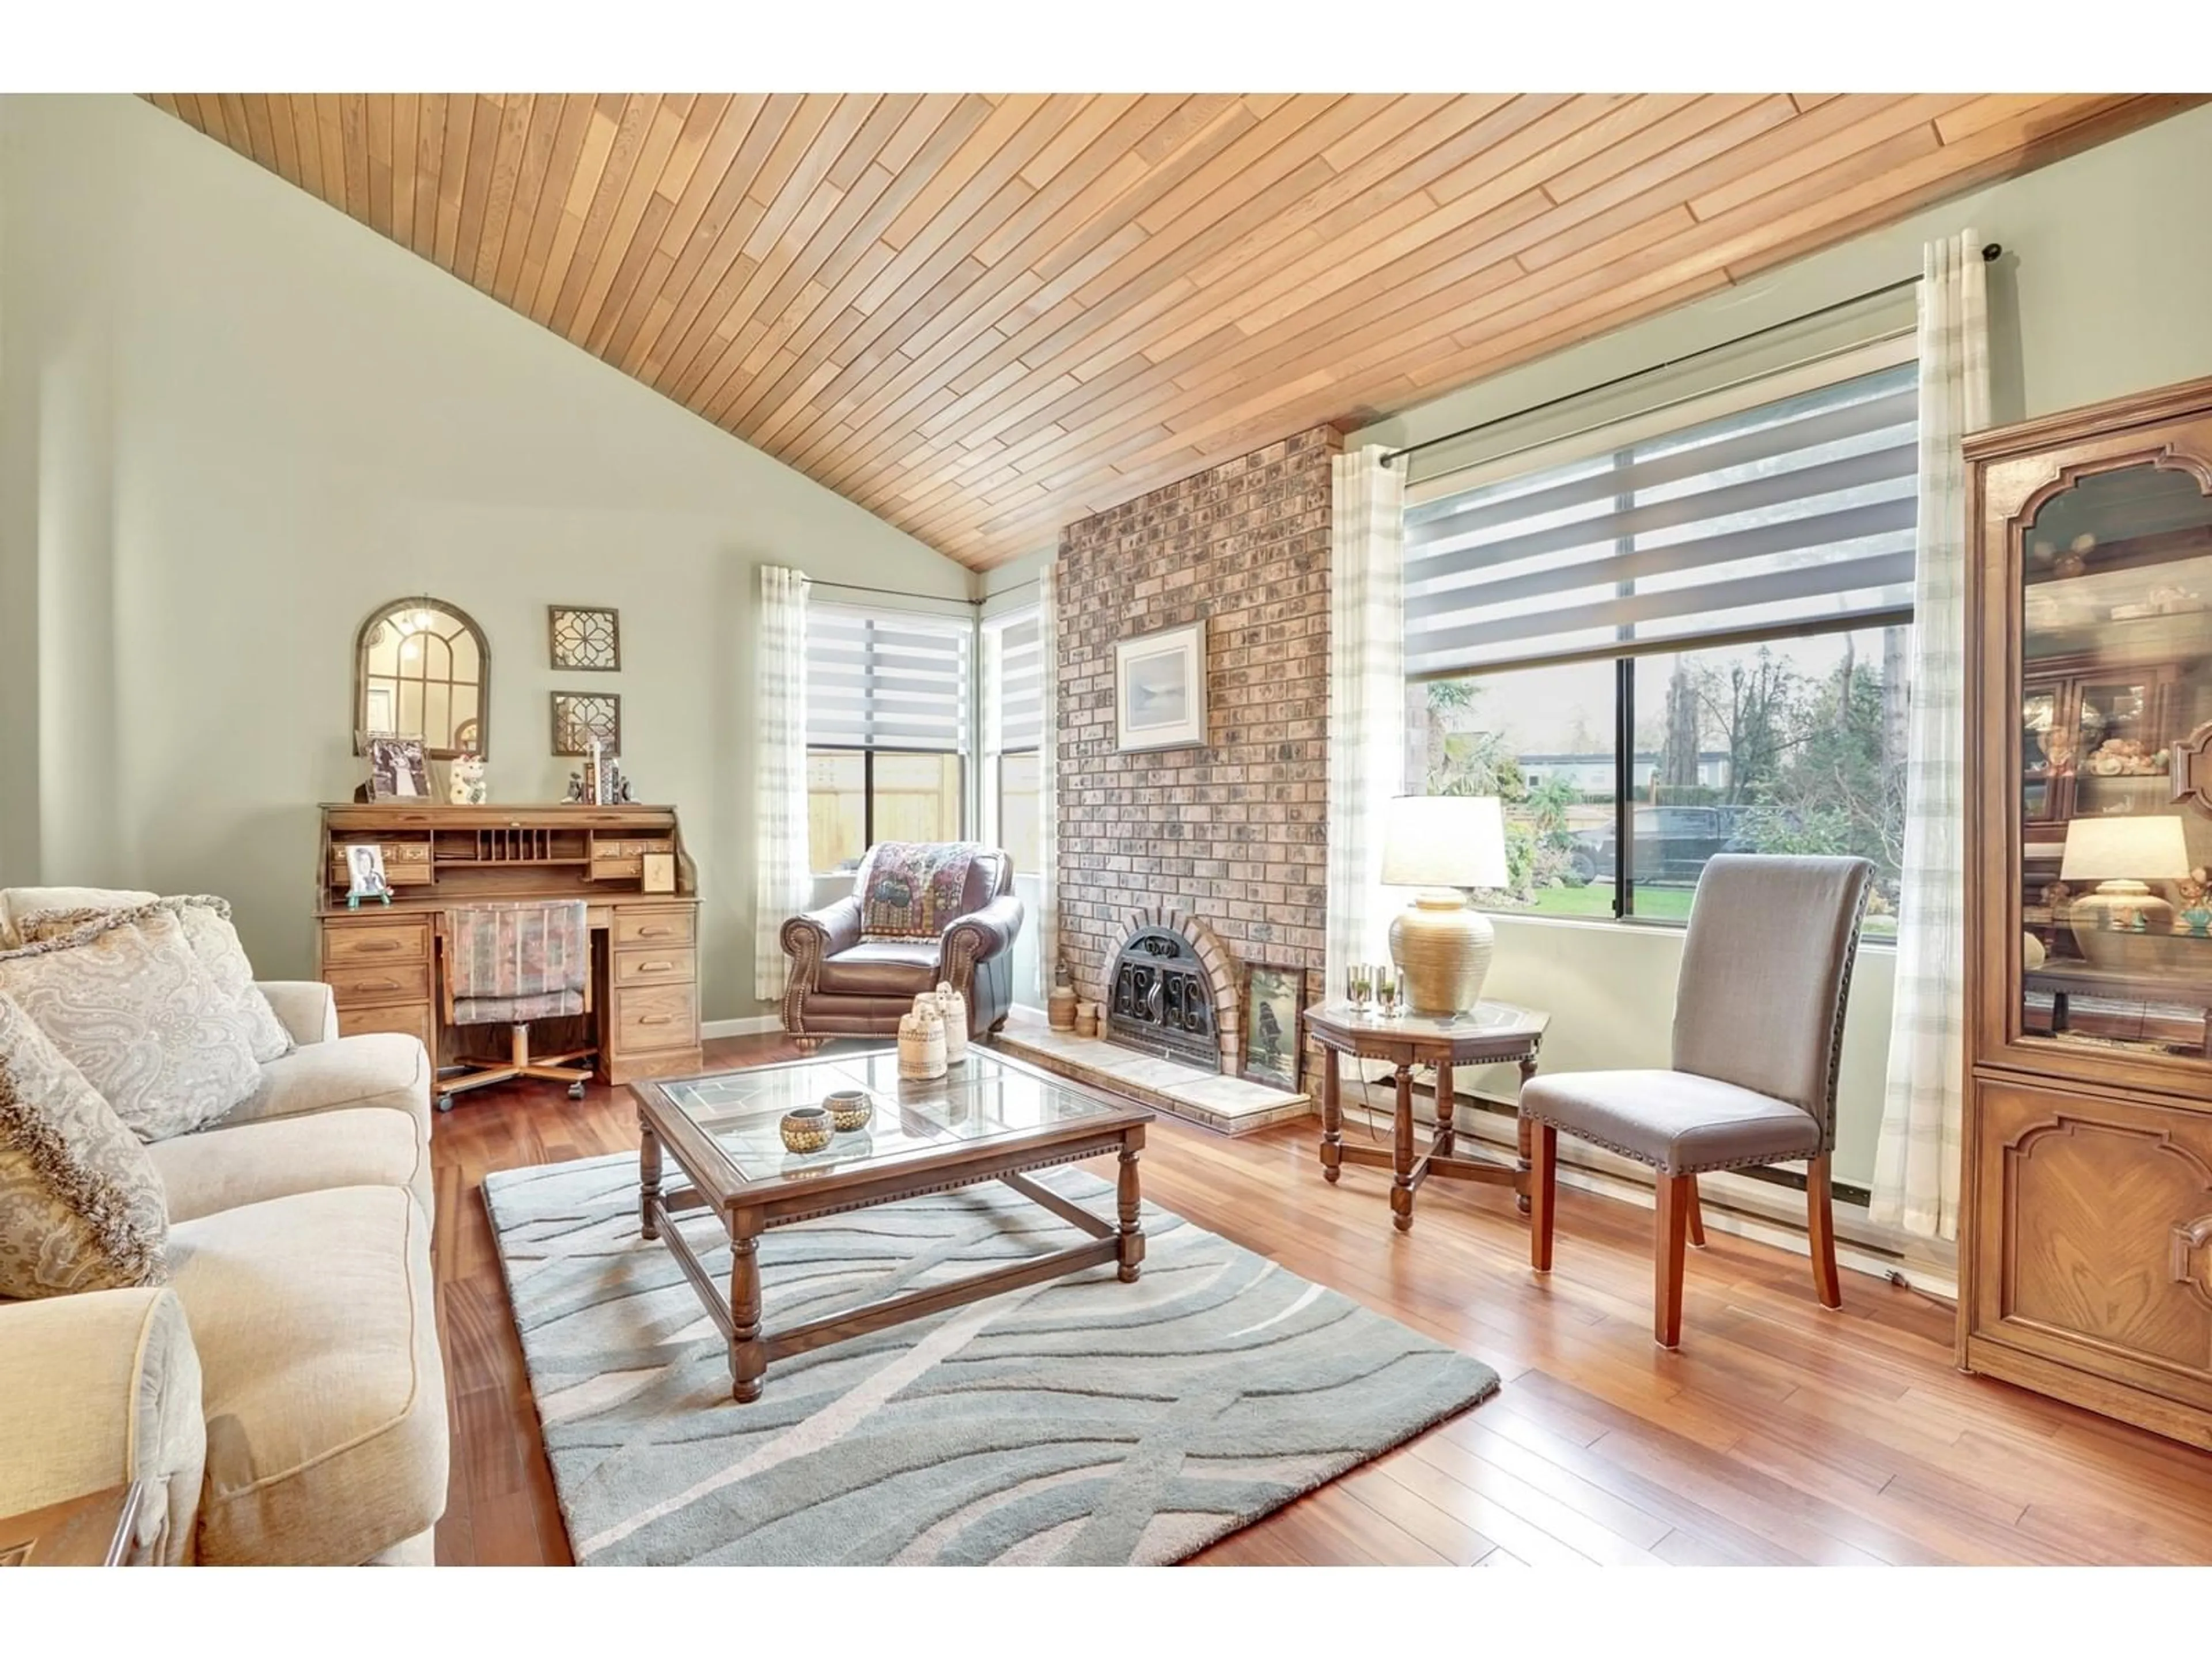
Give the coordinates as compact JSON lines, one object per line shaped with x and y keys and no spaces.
{"x":1652,"y":905}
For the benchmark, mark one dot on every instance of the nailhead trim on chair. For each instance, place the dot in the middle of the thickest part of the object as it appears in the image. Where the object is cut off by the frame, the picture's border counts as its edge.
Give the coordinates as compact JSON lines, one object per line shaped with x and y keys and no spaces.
{"x":1650,"y":1163}
{"x":802,"y":943}
{"x":1836,"y":1031}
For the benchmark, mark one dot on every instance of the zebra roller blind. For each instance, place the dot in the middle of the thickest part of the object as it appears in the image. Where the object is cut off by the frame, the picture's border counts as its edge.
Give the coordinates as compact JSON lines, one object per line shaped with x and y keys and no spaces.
{"x":1788,"y":517}
{"x":1021,"y":686}
{"x":886,"y":681}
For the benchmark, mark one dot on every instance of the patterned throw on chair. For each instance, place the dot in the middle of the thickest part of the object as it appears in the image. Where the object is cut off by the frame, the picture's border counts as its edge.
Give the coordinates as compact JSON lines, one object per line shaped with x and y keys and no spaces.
{"x":512,"y":962}
{"x":913,"y":888}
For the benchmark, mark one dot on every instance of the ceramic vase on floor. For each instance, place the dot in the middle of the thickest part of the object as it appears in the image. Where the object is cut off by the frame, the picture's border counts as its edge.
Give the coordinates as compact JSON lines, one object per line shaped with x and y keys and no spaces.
{"x":1060,"y":1005}
{"x":922,"y":1040}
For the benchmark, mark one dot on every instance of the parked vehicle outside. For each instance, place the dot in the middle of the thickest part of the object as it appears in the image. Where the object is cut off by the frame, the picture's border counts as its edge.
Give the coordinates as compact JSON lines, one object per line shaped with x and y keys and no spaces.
{"x":1671,"y":844}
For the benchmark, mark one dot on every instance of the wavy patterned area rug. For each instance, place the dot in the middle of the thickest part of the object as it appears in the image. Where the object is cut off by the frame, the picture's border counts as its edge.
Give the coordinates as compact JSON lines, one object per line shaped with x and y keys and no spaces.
{"x":1081,"y":1421}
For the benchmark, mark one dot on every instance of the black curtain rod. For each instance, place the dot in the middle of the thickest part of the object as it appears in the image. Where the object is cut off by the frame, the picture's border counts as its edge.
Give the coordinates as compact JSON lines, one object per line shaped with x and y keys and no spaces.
{"x":1989,"y":251}
{"x":892,"y":592}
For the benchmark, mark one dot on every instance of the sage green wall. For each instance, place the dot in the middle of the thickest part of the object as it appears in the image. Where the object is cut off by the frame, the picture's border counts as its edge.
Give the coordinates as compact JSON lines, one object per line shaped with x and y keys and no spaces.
{"x":232,"y":421}
{"x":2102,"y":289}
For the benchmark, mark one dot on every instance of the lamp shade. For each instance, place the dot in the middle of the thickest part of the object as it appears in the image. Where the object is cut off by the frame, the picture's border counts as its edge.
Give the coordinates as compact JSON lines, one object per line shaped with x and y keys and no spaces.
{"x":1445,"y":841}
{"x":2137,"y":847}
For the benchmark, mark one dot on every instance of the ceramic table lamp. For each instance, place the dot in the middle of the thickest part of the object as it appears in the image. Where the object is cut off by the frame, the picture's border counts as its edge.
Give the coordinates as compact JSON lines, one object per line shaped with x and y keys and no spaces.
{"x":1441,"y":843}
{"x":2121,"y":855}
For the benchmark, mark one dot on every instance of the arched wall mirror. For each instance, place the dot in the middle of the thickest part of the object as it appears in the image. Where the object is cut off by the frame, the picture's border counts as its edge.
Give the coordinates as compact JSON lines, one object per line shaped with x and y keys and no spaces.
{"x":421,"y":670}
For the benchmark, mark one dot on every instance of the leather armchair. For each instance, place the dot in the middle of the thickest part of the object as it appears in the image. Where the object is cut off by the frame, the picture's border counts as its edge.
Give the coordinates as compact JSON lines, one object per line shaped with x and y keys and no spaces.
{"x":843,"y":985}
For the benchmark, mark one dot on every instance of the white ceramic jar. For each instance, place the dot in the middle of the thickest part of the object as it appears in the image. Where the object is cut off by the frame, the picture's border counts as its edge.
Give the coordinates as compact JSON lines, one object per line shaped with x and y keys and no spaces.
{"x":922,"y":1040}
{"x":953,"y":1008}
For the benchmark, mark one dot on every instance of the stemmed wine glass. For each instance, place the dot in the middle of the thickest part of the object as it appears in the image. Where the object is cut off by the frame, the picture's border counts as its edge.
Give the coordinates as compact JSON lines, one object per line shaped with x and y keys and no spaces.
{"x":1386,"y":992}
{"x":1359,"y":985}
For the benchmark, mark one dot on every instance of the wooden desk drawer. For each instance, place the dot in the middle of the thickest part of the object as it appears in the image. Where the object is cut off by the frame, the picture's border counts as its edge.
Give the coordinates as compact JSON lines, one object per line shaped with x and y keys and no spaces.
{"x":399,"y":981}
{"x":411,"y":1017}
{"x":656,"y":1017}
{"x":346,"y":946}
{"x":673,"y":926}
{"x":630,"y":847}
{"x":405,"y":863}
{"x":650,"y":967}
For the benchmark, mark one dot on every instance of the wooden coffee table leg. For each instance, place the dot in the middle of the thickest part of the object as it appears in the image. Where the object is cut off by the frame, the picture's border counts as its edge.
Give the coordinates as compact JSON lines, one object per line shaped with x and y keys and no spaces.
{"x":648,"y":1178}
{"x":1129,"y":1204}
{"x":748,"y":1357}
{"x":1331,"y":1118}
{"x":1401,"y":1153}
{"x":1447,"y":1112}
{"x":1523,"y":1163}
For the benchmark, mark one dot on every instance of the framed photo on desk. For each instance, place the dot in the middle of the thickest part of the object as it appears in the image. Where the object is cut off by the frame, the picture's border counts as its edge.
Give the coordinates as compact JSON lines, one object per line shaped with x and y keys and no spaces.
{"x":397,"y":769}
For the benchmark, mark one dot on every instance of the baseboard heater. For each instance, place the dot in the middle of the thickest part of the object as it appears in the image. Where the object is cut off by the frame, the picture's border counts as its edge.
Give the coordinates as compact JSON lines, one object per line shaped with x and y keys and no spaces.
{"x":1493,"y":1123}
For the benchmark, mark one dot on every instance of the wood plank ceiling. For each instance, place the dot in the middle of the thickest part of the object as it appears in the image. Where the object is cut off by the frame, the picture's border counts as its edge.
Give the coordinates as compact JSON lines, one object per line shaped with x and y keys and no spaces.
{"x":982,"y":316}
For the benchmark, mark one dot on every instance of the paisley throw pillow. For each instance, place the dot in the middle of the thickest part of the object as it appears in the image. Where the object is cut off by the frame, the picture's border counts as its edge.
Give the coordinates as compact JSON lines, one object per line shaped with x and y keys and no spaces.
{"x":208,"y":930}
{"x":130,"y":1006}
{"x":81,"y":1204}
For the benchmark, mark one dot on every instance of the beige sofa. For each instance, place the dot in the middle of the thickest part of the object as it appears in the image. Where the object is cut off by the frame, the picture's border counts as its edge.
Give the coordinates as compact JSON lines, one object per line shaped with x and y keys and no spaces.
{"x":283,"y":1396}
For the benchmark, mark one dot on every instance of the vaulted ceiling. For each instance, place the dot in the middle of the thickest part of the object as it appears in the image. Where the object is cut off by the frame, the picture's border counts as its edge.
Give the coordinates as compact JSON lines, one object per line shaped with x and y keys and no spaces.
{"x":982,"y":316}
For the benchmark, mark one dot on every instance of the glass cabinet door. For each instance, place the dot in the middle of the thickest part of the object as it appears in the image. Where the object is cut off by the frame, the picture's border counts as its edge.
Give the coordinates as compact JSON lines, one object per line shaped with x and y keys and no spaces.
{"x":2116,"y":615}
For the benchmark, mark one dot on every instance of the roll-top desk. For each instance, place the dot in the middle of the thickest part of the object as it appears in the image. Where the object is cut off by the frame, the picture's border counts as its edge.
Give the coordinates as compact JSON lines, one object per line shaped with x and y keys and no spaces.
{"x":628,"y":864}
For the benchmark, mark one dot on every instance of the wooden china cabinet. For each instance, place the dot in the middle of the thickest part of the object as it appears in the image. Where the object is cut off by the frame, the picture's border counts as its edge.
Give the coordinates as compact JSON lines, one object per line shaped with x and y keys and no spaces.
{"x":2086,"y":1235}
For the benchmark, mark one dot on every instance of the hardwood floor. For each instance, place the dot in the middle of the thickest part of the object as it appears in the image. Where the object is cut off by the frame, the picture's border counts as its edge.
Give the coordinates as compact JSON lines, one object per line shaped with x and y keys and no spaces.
{"x":1780,"y":1433}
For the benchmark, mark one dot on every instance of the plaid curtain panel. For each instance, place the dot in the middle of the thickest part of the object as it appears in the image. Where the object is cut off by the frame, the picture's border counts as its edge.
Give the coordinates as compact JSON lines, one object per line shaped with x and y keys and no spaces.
{"x":1047,"y":871}
{"x":782,"y":878}
{"x":1915,"y":1179}
{"x":1366,"y":700}
{"x":511,"y":963}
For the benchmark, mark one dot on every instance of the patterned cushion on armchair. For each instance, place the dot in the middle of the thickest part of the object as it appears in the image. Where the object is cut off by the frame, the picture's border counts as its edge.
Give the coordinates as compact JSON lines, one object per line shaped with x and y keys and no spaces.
{"x":915,"y":888}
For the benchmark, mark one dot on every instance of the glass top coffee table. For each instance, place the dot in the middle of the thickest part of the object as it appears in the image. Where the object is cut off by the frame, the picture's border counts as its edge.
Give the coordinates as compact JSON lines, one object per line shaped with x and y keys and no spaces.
{"x":989,"y":1119}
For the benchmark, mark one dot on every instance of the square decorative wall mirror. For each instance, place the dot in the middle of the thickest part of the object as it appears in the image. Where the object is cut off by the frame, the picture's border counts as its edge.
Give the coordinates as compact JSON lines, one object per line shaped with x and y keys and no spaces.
{"x":579,"y":716}
{"x":1159,"y":689}
{"x":585,"y":636}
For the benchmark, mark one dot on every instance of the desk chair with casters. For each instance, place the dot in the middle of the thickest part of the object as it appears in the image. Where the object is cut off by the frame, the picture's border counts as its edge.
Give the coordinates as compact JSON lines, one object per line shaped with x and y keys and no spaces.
{"x":508,"y":964}
{"x":1758,"y":1034}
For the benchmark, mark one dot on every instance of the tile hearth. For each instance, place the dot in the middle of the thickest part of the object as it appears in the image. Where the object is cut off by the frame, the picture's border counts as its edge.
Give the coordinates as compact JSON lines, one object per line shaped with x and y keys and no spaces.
{"x":1229,"y":1105}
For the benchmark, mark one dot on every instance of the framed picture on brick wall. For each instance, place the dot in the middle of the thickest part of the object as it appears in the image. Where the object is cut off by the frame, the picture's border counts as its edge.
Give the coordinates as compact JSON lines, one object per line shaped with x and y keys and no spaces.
{"x":1159,"y":689}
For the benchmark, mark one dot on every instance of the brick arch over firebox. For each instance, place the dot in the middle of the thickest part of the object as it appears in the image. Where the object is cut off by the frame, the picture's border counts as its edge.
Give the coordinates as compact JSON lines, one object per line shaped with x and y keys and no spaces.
{"x":1220,"y":971}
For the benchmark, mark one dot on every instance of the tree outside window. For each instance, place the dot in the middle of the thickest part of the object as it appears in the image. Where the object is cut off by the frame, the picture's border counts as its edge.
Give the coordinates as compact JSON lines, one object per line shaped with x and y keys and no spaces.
{"x":1795,"y":745}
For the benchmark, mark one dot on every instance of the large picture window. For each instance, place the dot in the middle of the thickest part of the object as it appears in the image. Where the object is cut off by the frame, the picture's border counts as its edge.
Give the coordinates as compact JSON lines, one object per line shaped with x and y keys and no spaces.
{"x":887,"y":717}
{"x":1677,"y":646}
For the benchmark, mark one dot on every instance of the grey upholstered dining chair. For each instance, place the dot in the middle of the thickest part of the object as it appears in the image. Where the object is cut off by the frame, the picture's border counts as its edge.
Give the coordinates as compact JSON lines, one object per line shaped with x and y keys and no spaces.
{"x":1758,"y":1031}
